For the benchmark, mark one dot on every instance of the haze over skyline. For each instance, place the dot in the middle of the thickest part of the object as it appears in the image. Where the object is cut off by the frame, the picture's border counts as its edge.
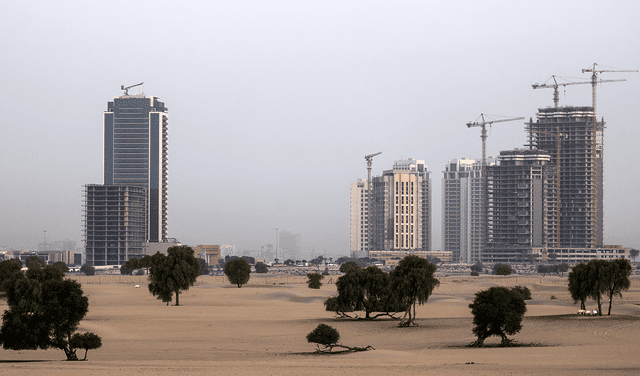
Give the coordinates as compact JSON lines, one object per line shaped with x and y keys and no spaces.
{"x":273,"y":105}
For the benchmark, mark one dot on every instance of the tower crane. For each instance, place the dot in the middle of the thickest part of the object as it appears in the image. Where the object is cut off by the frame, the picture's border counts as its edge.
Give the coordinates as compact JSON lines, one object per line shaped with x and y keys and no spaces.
{"x":483,"y":136}
{"x":594,"y":81}
{"x":369,"y":159}
{"x":126,"y":89}
{"x":556,"y":96}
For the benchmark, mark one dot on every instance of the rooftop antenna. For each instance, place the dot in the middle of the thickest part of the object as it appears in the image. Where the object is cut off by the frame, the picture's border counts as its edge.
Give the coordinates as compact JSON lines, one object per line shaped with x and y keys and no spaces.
{"x":126,"y":89}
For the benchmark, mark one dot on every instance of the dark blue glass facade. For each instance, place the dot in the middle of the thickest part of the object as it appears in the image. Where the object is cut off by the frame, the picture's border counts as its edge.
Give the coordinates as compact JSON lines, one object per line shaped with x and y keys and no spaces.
{"x":135,"y":153}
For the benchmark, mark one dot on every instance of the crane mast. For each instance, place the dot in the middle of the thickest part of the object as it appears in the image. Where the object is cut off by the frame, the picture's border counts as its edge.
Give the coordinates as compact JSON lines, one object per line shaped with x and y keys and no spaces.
{"x":594,"y":82}
{"x":369,"y":159}
{"x":485,"y":198}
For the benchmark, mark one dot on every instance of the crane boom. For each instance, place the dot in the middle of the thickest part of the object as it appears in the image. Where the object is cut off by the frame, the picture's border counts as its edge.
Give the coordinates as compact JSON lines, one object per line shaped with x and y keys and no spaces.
{"x":556,"y":96}
{"x":126,"y":89}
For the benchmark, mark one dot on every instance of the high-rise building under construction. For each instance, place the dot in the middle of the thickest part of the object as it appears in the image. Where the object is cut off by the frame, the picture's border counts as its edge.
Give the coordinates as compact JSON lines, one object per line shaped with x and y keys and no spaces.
{"x":574,"y":141}
{"x":129,"y":210}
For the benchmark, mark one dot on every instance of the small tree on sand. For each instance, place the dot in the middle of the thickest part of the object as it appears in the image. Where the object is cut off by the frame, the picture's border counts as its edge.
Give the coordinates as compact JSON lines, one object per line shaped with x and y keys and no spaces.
{"x":86,"y":341}
{"x":617,"y":279}
{"x":173,"y":273}
{"x":44,"y":312}
{"x":502,"y":269}
{"x":497,"y":311}
{"x":261,"y":267}
{"x":238,"y":271}
{"x":313,"y":280}
{"x":328,"y":337}
{"x":87,"y":269}
{"x":579,"y":284}
{"x":413,"y":282}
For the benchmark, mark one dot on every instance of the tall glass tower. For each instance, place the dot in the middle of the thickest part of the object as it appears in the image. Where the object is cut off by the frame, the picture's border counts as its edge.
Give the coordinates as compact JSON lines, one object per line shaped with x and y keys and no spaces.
{"x":135,"y":153}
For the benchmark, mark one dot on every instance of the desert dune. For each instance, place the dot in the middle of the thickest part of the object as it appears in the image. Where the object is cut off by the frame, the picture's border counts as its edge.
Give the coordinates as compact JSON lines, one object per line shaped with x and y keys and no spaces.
{"x":260,"y":329}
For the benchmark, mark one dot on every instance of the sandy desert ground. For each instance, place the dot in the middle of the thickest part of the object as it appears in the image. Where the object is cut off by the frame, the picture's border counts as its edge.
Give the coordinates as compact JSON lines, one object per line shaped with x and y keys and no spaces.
{"x":260,"y":329}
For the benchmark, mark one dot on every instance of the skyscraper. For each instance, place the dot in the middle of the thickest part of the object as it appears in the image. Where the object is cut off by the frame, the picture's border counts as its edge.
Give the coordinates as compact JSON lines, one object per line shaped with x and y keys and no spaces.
{"x":462,"y":209}
{"x":135,"y":153}
{"x":568,"y":136}
{"x":521,"y":211}
{"x":359,"y":218}
{"x":401,"y":212}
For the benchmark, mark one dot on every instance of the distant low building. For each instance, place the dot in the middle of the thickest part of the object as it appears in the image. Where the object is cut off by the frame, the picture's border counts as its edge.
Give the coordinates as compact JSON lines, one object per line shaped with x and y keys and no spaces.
{"x":209,"y":253}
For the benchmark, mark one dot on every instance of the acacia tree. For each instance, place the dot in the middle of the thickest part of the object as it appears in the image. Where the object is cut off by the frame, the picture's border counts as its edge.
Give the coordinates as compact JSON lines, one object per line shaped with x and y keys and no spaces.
{"x":87,"y":269}
{"x":616,"y":278}
{"x":86,"y":341}
{"x":502,"y":269}
{"x":44,"y":312}
{"x":328,"y":337}
{"x":367,"y":290}
{"x":10,"y":270}
{"x":173,"y":273}
{"x":313,"y":280}
{"x":34,"y":262}
{"x":61,"y":265}
{"x":497,"y":311}
{"x":413,"y":282}
{"x":348,"y":266}
{"x":579,"y":284}
{"x":238,"y":271}
{"x":261,"y":267}
{"x":596,"y":276}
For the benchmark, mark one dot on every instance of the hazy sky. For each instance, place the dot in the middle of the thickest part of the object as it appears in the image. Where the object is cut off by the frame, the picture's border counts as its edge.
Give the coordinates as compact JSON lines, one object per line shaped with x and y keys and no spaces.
{"x":273,"y":104}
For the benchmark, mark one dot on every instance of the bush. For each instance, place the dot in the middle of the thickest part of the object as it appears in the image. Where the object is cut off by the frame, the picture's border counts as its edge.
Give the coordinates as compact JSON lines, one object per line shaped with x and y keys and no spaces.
{"x":314,"y":279}
{"x":474,"y":274}
{"x":348,"y":266}
{"x":87,"y":269}
{"x":477,"y":268}
{"x":324,"y":335}
{"x":502,"y":269}
{"x":262,"y":268}
{"x":139,"y":272}
{"x":204,"y":267}
{"x":524,"y":291}
{"x":125,"y":271}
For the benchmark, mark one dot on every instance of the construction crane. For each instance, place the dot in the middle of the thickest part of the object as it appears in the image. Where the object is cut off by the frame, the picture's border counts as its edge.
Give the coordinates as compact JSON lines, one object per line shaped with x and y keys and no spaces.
{"x":594,"y":82}
{"x":126,"y":89}
{"x":556,"y":96}
{"x":483,"y":136}
{"x":369,"y":159}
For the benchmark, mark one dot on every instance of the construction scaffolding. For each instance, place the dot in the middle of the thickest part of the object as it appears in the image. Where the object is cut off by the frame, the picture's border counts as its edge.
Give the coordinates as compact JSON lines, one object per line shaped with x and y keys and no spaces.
{"x":115,"y":223}
{"x":520,"y":210}
{"x":566,"y":134}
